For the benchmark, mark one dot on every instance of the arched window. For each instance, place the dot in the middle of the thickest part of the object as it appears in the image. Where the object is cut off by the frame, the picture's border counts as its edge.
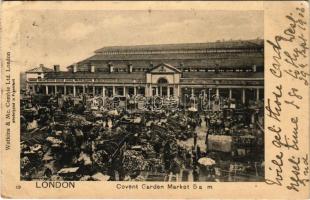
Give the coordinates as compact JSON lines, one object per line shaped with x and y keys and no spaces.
{"x":162,"y":81}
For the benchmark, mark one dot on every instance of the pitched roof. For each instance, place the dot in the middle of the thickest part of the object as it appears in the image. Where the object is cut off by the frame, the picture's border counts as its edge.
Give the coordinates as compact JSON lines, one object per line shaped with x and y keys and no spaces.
{"x":39,"y":69}
{"x":187,"y":46}
{"x":202,"y":60}
{"x":162,"y":57}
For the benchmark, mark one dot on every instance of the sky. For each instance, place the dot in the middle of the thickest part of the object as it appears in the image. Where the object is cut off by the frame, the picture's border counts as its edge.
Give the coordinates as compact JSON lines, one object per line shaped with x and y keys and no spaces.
{"x":67,"y":36}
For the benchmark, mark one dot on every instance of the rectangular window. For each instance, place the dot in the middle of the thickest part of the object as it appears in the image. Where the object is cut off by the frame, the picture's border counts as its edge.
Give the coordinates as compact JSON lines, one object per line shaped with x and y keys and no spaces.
{"x":171,"y":91}
{"x":131,"y":91}
{"x":154,"y":91}
{"x":109,"y":91}
{"x":119,"y":91}
{"x":141,"y":91}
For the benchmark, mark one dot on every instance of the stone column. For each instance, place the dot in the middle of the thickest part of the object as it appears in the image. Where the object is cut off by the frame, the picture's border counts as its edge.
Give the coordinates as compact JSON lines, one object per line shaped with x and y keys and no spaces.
{"x":65,"y":90}
{"x":113,"y":93}
{"x":55,"y":89}
{"x":230,"y":93}
{"x":103,"y":91}
{"x":83,"y":89}
{"x":124,"y":91}
{"x":156,"y":91}
{"x":192,"y":92}
{"x":257,"y":94}
{"x":46,"y":89}
{"x":168,"y":91}
{"x":74,"y":91}
{"x":134,"y":91}
{"x":177,"y":92}
{"x":146,"y":90}
{"x":94,"y":90}
{"x":149,"y":93}
{"x":243,"y":95}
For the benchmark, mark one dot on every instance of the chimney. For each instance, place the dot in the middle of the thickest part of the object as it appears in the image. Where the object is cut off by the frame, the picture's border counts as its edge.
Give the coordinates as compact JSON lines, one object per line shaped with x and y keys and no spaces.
{"x":56,"y":68}
{"x":75,"y":68}
{"x":129,"y":68}
{"x":254,"y":68}
{"x":110,"y":65}
{"x":92,"y":68}
{"x":181,"y":64}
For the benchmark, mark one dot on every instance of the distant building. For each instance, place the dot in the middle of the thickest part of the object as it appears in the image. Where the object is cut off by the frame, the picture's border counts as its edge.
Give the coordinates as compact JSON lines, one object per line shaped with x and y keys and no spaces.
{"x":232,"y":69}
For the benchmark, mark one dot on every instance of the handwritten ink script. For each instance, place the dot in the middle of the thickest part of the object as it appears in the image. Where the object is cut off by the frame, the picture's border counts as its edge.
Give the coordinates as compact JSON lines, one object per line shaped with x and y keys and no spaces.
{"x":289,"y":167}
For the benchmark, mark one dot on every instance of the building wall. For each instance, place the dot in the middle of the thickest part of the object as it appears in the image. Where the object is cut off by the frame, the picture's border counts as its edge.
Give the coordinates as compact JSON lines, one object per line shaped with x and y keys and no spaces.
{"x":204,"y":68}
{"x":33,"y":76}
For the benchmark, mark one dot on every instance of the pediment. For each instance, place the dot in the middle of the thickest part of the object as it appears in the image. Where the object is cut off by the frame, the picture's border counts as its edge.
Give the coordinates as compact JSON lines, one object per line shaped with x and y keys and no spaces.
{"x":164,"y":68}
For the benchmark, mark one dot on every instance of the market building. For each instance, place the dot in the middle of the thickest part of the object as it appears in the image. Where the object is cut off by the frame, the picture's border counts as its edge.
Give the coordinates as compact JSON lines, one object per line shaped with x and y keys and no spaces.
{"x":168,"y":113}
{"x":230,"y":69}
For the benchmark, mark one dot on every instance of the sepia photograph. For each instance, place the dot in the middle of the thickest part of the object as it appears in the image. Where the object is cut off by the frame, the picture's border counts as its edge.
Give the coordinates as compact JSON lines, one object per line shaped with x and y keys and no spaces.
{"x":155,"y":99}
{"x":142,"y":96}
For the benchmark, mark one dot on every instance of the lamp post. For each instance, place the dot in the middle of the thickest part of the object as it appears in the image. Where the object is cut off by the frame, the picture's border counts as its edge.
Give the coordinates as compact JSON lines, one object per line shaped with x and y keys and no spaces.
{"x":209,"y":103}
{"x":186,"y":96}
{"x":201,"y":97}
{"x":183,"y":97}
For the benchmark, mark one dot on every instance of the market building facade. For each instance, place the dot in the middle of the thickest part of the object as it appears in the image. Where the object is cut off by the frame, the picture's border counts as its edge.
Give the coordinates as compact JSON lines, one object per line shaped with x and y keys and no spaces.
{"x":228,"y":69}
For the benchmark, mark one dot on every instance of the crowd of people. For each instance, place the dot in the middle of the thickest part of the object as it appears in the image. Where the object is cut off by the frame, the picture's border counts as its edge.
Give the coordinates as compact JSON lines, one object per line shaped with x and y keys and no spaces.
{"x":65,"y":139}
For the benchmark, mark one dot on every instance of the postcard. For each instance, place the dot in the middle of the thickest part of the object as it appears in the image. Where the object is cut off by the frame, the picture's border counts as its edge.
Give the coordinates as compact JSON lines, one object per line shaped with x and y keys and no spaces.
{"x":155,"y":99}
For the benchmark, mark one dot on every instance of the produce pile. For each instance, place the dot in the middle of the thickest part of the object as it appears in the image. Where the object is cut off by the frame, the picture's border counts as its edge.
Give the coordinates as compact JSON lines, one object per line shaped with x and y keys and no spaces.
{"x":117,"y":143}
{"x":133,"y":161}
{"x":101,"y":158}
{"x":77,"y":120}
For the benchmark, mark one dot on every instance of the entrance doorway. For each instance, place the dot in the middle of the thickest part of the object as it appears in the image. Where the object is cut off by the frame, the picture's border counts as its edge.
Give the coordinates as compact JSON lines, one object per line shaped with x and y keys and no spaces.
{"x":162,"y":87}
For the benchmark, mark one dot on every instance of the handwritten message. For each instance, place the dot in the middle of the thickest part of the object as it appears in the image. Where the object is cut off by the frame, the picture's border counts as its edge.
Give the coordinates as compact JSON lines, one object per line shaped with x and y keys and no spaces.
{"x":284,"y":108}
